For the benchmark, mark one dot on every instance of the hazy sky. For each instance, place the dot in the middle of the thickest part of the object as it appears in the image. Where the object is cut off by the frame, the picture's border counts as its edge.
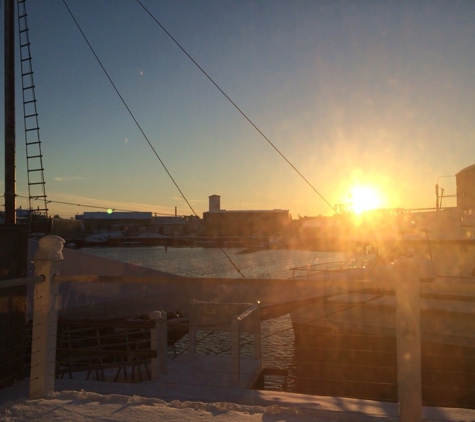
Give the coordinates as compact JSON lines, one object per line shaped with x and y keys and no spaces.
{"x":376,"y":93}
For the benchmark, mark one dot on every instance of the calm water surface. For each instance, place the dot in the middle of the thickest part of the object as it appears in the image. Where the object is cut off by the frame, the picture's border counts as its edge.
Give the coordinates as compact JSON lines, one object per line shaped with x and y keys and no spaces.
{"x":214,"y":262}
{"x":277,"y":334}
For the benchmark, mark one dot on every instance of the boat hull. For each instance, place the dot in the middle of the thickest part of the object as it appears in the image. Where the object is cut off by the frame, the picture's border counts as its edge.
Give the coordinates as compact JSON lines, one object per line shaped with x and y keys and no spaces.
{"x":346,"y":346}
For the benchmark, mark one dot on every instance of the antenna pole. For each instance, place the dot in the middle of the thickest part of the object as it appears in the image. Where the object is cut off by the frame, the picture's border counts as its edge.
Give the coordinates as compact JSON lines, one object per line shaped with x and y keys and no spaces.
{"x":437,"y":197}
{"x":9,"y":112}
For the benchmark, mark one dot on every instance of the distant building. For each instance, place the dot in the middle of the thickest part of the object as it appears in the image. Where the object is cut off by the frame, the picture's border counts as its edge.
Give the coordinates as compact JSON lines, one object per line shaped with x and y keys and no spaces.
{"x":172,"y":226}
{"x":66,"y":228}
{"x":219,"y":222}
{"x":195,"y":224}
{"x":132,"y":223}
{"x":321,"y":227}
{"x":128,"y":222}
{"x":465,"y":180}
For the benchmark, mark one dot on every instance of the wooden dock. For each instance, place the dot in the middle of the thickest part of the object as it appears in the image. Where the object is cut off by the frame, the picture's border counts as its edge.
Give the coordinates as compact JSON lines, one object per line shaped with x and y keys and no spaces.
{"x":210,"y":371}
{"x":136,"y":349}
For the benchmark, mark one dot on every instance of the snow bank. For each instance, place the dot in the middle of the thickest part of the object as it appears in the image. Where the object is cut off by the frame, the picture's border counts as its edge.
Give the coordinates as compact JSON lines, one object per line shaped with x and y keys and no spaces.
{"x":75,"y":406}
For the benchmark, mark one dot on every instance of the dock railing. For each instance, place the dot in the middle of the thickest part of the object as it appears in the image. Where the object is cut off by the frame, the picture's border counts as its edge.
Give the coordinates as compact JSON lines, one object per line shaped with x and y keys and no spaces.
{"x":45,"y":317}
{"x":322,"y":267}
{"x":159,"y":342}
{"x":236,"y":318}
{"x":244,"y":318}
{"x":408,"y":340}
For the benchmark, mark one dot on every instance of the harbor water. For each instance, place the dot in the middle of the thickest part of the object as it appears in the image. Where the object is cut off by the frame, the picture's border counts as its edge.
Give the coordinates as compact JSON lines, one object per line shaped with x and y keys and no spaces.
{"x":277,"y":334}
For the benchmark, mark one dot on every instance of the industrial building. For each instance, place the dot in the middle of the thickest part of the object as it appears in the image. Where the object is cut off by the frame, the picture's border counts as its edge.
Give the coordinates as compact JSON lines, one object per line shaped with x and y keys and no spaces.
{"x":243,"y":223}
{"x":123,"y":221}
{"x":466,"y":190}
{"x":132,"y":223}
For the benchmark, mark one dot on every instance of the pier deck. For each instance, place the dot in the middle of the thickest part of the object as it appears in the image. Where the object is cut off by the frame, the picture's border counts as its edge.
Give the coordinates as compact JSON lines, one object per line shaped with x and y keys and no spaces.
{"x":210,"y":371}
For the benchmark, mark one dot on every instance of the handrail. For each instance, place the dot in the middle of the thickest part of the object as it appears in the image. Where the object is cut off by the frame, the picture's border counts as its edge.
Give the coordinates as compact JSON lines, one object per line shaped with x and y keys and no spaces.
{"x":247,"y":312}
{"x":91,"y":278}
{"x":330,"y":266}
{"x":16,"y":282}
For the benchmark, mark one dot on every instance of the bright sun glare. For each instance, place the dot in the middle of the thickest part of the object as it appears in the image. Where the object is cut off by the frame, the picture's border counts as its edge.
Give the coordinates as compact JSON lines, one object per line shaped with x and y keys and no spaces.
{"x":364,"y":198}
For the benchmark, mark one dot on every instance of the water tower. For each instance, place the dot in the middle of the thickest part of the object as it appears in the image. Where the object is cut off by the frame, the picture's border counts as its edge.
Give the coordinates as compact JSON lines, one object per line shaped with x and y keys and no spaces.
{"x":215,"y":203}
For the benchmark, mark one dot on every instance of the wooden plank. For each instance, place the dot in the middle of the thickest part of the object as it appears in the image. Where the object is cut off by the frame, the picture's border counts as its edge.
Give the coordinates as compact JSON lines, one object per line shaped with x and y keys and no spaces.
{"x":24,"y":281}
{"x":63,"y":352}
{"x":88,"y":324}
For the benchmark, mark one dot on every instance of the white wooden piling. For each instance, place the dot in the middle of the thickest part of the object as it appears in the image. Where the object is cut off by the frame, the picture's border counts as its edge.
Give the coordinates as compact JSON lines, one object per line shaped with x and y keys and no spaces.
{"x":248,"y":321}
{"x":408,"y":334}
{"x":235,"y":318}
{"x":43,"y":347}
{"x":159,"y":342}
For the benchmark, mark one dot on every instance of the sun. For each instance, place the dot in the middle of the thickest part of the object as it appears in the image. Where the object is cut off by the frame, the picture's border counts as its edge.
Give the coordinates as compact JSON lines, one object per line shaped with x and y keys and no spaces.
{"x":364,"y":198}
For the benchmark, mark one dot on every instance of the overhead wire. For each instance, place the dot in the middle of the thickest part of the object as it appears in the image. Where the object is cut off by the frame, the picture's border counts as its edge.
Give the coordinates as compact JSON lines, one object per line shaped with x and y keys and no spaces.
{"x":139,"y":126}
{"x":128,"y":108}
{"x":237,"y":107}
{"x":90,"y":206}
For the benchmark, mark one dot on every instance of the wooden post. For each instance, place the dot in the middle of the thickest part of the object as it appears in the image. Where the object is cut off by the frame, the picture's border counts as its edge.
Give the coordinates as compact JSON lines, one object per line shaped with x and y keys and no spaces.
{"x":408,"y":334}
{"x":43,"y":347}
{"x":159,"y":341}
{"x":13,"y":265}
{"x":235,"y":352}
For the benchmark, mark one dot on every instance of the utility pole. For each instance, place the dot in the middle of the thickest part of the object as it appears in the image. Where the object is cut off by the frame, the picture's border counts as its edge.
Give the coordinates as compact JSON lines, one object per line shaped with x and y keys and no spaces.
{"x":9,"y":87}
{"x":13,"y":237}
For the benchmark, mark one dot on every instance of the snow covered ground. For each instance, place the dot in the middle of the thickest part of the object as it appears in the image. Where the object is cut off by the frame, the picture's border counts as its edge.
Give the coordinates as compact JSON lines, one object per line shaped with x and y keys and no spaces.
{"x":117,"y":402}
{"x":80,"y":406}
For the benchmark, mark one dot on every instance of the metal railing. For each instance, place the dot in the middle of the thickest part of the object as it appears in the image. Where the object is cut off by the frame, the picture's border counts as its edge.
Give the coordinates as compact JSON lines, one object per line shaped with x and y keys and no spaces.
{"x":332,"y":266}
{"x":405,"y":283}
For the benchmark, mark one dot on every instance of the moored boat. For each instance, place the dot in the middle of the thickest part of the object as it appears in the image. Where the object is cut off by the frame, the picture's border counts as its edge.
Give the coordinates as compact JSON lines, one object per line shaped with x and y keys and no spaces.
{"x":346,"y":343}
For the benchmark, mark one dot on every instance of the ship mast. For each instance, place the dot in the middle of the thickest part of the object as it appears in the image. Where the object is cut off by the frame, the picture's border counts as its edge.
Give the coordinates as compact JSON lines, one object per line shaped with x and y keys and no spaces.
{"x":9,"y":87}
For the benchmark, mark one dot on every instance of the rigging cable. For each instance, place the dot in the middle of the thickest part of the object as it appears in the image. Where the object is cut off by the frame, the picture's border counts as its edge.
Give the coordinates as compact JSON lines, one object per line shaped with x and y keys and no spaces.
{"x":128,"y":109}
{"x":90,"y":206}
{"x":140,"y":127}
{"x":237,"y":107}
